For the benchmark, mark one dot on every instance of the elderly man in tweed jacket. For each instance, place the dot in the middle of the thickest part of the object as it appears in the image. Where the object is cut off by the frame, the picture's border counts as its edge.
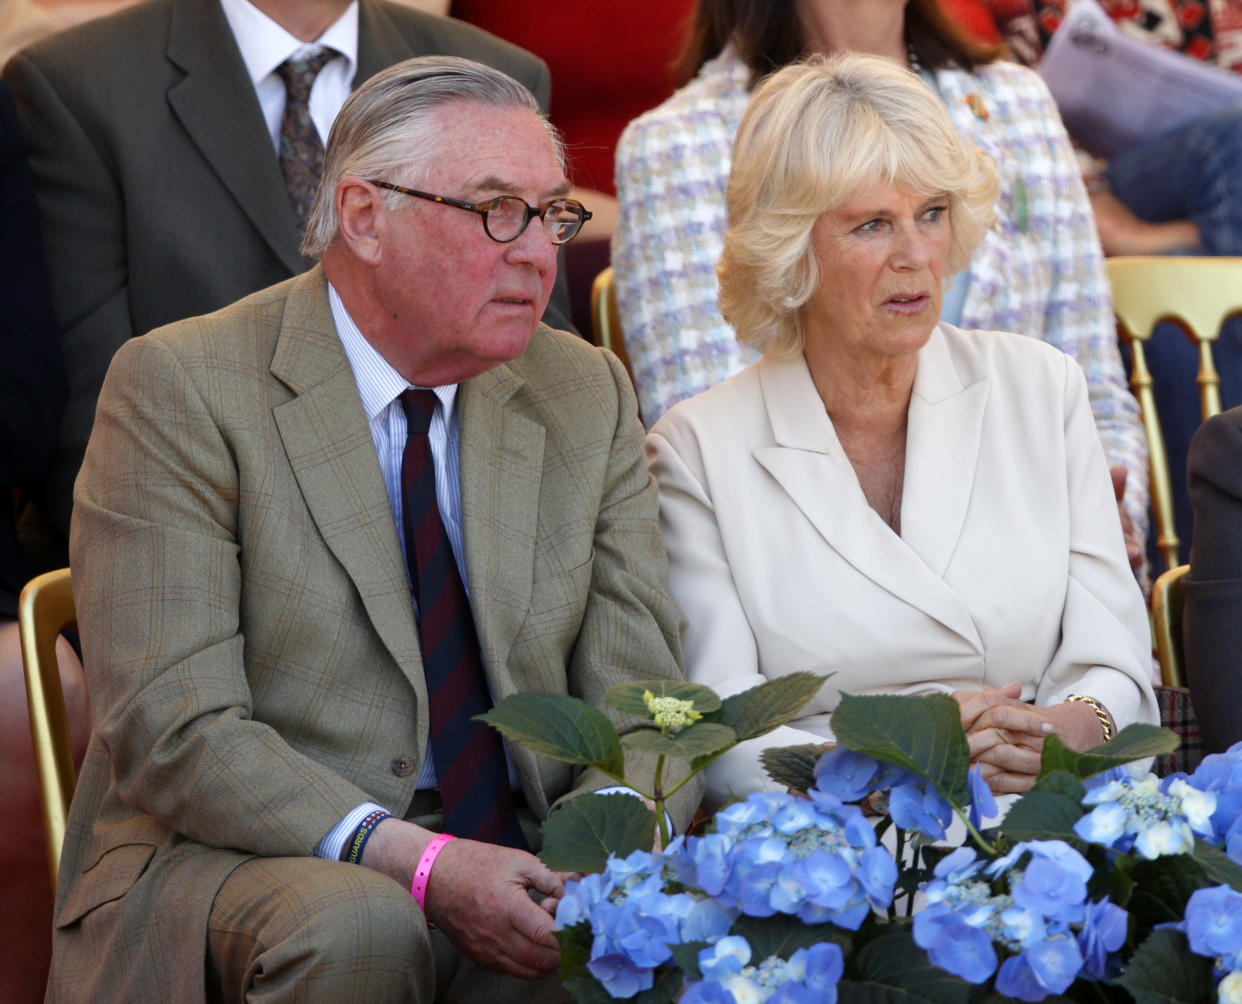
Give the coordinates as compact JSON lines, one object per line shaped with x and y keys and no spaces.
{"x":258,"y":679}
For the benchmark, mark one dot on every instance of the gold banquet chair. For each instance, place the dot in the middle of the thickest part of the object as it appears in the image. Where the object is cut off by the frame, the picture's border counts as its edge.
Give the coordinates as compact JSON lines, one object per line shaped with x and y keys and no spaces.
{"x":44,"y":609}
{"x":606,"y":319}
{"x":1198,"y":295}
{"x":1166,"y":619}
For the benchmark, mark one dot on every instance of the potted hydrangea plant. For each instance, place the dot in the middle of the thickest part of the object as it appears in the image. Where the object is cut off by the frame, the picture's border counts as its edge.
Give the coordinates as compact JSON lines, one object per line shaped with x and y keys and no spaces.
{"x":1103,"y":883}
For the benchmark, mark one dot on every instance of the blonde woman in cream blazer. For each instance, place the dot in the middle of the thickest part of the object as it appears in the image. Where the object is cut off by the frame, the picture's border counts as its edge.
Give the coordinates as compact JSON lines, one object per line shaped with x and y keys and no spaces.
{"x":883,"y":497}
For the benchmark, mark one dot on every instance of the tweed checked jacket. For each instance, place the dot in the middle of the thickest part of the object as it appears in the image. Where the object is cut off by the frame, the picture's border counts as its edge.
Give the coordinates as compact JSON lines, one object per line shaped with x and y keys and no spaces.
{"x":1040,"y":272}
{"x":251,"y":649}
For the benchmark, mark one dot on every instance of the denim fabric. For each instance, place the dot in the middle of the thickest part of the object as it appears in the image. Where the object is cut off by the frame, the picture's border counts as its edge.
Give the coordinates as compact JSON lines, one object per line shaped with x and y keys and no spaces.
{"x":1190,"y":173}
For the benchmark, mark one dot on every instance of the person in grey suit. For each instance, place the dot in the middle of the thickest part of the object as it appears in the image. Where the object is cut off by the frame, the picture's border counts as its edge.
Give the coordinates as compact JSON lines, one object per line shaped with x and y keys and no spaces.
{"x":1212,"y":614}
{"x":265,"y":780}
{"x":160,"y":193}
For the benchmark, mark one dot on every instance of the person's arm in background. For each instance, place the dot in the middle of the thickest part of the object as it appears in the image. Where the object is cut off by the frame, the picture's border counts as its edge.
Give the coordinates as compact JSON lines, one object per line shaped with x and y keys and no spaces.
{"x":1212,"y":625}
{"x":672,"y":167}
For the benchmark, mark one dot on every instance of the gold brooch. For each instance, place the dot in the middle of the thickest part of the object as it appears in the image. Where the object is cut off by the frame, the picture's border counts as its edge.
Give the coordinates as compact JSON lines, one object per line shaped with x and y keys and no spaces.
{"x":977,"y":106}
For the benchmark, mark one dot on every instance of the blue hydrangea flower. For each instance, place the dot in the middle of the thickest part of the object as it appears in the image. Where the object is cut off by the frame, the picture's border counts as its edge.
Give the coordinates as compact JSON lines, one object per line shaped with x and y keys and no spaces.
{"x":1144,"y":815}
{"x":1103,"y":933}
{"x":1213,"y":925}
{"x":847,"y":775}
{"x":1053,"y":882}
{"x":982,"y":801}
{"x":915,"y":804}
{"x":1047,"y":967}
{"x":776,"y":853}
{"x":808,"y":976}
{"x":1220,"y":774}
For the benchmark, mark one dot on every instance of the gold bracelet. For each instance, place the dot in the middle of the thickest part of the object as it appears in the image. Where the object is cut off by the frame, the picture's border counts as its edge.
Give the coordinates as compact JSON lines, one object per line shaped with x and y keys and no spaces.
{"x":1105,"y":725}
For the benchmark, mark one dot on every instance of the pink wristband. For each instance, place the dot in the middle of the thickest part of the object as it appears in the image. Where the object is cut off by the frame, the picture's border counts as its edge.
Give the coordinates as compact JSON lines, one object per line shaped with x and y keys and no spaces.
{"x":422,"y":871}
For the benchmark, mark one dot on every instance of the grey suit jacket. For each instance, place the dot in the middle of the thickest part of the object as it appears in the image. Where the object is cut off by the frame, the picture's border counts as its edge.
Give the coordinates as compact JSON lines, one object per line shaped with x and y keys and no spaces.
{"x":252,"y":655}
{"x":160,"y":196}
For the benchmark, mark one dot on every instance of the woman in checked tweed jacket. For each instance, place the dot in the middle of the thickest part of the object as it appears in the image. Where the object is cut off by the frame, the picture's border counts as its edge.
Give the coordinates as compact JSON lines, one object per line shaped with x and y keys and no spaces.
{"x":1039,"y":272}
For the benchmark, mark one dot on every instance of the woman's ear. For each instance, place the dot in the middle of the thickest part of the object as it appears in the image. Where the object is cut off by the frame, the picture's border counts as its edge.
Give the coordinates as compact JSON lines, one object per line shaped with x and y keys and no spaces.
{"x":360,"y":208}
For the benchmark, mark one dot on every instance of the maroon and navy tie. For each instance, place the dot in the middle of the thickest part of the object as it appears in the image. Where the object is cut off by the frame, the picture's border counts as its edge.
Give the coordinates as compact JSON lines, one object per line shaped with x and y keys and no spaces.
{"x":469,"y":756}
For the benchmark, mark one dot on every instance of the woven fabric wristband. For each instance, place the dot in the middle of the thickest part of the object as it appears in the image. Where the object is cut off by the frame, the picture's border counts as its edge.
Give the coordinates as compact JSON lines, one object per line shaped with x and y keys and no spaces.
{"x":422,"y":871}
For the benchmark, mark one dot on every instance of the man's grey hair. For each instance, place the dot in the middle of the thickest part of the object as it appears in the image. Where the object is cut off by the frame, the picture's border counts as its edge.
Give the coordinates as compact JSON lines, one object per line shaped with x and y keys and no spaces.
{"x":386,"y":131}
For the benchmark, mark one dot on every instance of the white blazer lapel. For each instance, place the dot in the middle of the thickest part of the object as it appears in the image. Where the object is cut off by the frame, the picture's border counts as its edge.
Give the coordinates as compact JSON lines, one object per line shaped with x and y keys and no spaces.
{"x":810,"y":465}
{"x":942,"y":449}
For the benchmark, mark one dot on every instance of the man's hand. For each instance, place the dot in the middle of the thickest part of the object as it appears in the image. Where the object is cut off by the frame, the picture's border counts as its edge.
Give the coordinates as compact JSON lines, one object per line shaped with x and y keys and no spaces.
{"x":478,"y":896}
{"x":1134,"y":546}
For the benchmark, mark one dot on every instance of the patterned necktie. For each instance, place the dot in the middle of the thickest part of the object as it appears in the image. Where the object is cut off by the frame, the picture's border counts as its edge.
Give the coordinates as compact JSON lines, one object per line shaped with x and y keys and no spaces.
{"x":301,"y":150}
{"x":469,"y":757}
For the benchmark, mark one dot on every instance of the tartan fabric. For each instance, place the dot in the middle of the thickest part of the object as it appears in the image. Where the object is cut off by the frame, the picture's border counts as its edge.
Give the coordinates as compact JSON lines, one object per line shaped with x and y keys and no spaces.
{"x":1177,"y":713}
{"x":301,"y":149}
{"x":470,"y":761}
{"x":1039,"y":270}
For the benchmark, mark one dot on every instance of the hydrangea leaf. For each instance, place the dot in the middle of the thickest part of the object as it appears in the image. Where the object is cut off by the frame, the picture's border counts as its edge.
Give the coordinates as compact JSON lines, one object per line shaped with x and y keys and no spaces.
{"x":575,"y":945}
{"x":761,"y":709}
{"x":1048,"y":811}
{"x":686,"y":955}
{"x":579,"y":836}
{"x":1164,"y":971}
{"x":920,"y":734}
{"x":892,"y":969}
{"x":1218,"y":867}
{"x":793,"y":767}
{"x":699,"y":740}
{"x":559,"y":727}
{"x":1162,"y":886}
{"x":1134,"y":742}
{"x":628,"y":697}
{"x":783,"y":935}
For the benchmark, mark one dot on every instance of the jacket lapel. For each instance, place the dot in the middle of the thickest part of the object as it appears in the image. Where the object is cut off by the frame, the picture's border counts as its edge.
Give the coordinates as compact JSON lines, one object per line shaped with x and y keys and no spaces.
{"x":810,"y":465}
{"x":328,"y":442}
{"x":944,"y":432}
{"x":216,"y":104}
{"x":501,"y":461}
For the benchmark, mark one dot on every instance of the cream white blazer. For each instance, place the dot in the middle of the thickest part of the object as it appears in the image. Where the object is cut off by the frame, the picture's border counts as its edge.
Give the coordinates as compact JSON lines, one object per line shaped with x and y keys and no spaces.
{"x":1010,"y":564}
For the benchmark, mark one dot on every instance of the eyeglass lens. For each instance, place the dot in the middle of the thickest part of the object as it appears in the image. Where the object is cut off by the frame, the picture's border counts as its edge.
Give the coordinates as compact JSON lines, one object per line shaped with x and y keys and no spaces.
{"x":507,"y":217}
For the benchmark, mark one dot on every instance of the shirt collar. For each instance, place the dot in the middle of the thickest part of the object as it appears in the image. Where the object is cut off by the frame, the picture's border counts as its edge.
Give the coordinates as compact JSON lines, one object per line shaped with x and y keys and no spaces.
{"x":378,"y":383}
{"x":264,"y":44}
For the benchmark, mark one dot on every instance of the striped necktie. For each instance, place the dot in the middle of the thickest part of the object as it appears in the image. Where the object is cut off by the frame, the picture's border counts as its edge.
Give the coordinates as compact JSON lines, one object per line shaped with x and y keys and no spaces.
{"x":301,"y":150}
{"x":469,"y":757}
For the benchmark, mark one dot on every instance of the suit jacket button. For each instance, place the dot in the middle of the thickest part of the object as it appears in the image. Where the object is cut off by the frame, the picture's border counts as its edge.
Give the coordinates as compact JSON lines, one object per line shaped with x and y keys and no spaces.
{"x":403,"y":766}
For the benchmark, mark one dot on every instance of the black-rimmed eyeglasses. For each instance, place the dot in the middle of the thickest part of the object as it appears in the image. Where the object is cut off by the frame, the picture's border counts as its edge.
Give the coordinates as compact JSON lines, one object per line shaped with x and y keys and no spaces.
{"x":506,"y":217}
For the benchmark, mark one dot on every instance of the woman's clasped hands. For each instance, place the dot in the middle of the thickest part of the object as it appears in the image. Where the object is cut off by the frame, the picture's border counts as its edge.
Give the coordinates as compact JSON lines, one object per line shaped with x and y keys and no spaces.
{"x":1006,"y":735}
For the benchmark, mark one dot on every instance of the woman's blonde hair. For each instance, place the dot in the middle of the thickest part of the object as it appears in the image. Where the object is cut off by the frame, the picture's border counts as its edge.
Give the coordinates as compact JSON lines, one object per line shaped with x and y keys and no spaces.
{"x":816,"y":132}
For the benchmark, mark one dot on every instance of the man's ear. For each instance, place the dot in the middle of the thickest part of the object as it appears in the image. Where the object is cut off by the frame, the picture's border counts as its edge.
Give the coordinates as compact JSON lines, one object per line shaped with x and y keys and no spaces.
{"x":358,"y":208}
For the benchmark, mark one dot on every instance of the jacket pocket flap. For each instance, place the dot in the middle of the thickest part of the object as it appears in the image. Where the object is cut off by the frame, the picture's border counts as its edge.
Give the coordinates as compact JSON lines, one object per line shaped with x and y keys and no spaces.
{"x":109,"y":878}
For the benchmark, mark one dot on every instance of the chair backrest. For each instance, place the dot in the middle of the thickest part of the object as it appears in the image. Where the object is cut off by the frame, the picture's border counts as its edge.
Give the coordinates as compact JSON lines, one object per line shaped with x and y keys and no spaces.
{"x":1166,"y":622}
{"x":1196,"y":294}
{"x":606,"y":319}
{"x":44,"y":609}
